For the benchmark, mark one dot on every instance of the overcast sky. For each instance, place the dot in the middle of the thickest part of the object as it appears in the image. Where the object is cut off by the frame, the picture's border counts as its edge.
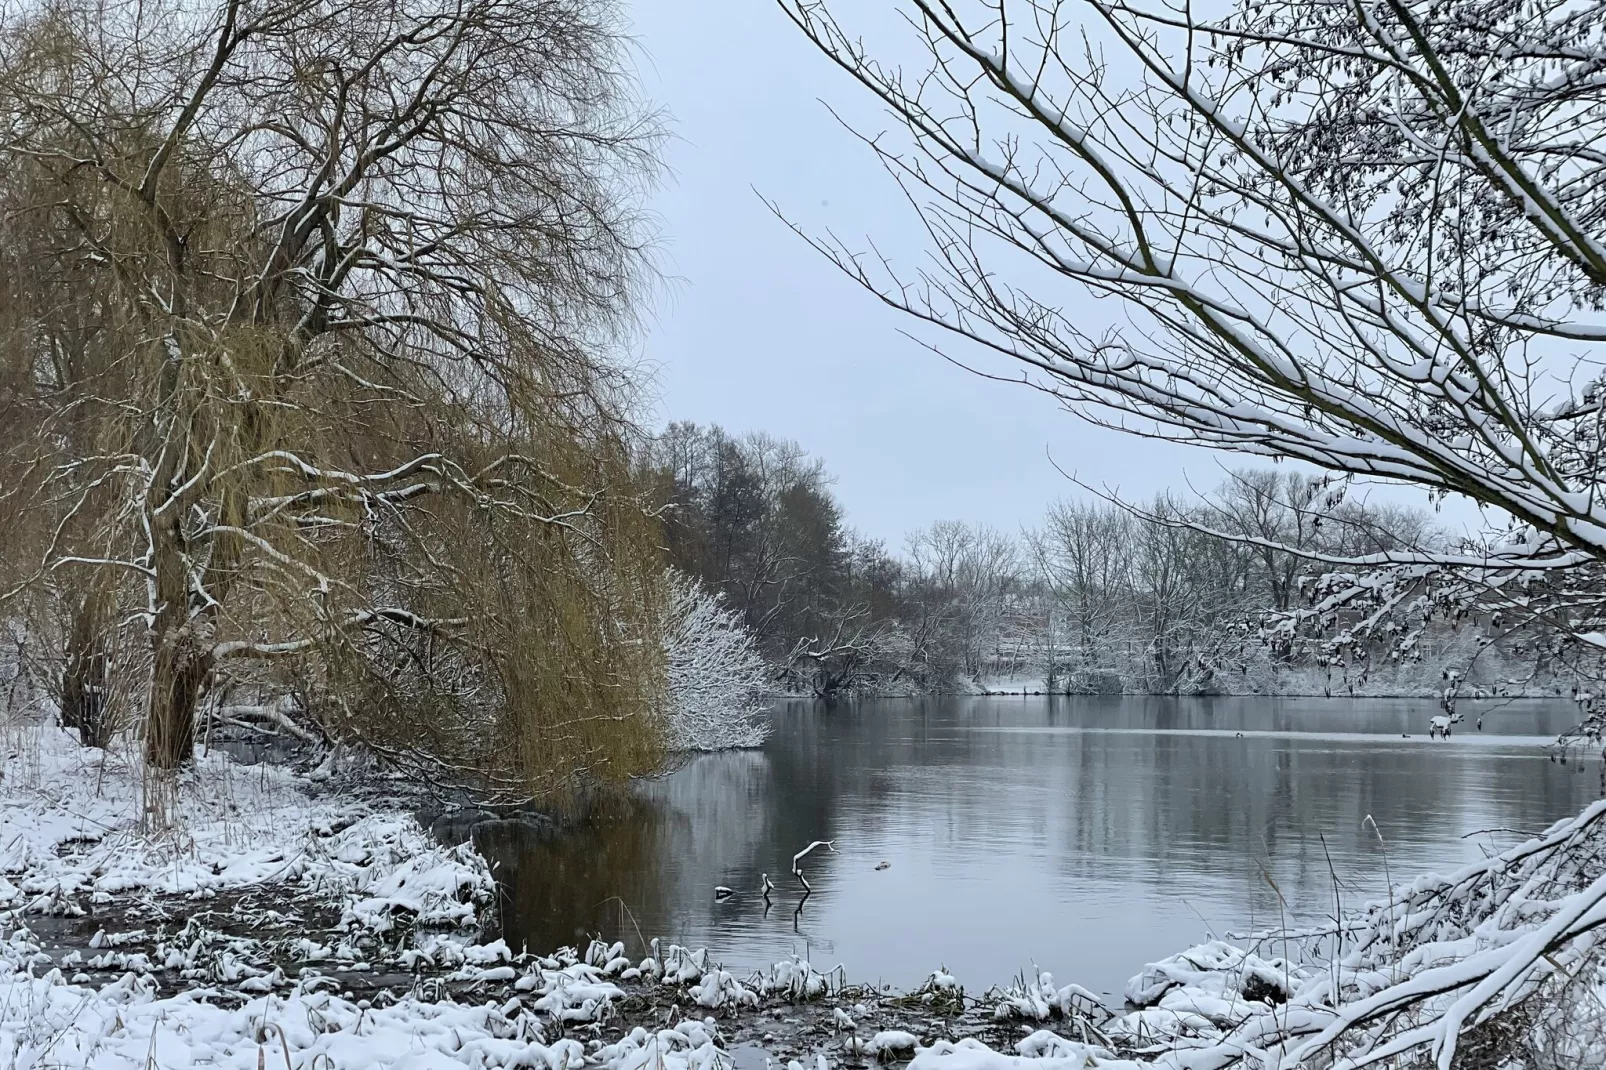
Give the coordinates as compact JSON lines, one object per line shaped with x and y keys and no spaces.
{"x":758,"y":332}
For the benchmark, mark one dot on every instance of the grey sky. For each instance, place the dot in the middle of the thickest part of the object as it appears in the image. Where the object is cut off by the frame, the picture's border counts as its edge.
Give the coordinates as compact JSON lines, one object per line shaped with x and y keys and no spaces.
{"x":758,"y":332}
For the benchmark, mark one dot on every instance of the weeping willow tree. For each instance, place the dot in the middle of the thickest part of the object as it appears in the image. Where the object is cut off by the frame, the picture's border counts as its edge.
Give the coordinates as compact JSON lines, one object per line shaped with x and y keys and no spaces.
{"x":312,"y":304}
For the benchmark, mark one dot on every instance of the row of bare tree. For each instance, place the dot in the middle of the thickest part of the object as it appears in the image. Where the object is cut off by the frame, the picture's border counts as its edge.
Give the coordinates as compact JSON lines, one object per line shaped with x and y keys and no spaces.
{"x":1189,"y":594}
{"x":1177,"y":594}
{"x":1368,"y":236}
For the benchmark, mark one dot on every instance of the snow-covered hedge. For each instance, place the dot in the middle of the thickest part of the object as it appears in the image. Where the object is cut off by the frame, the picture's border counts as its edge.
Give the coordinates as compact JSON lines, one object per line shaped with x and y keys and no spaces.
{"x":716,"y":677}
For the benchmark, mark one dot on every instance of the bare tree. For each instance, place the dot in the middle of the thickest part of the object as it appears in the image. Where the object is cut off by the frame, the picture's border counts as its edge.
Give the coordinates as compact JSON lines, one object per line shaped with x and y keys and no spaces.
{"x":1368,"y":236}
{"x":1084,"y":555}
{"x":1277,"y":510}
{"x":857,"y":654}
{"x":1365,"y":238}
{"x":971,"y":571}
{"x":351,"y":268}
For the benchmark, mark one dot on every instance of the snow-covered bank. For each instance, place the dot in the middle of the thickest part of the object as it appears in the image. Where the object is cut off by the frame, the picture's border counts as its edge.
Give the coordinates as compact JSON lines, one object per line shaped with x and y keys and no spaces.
{"x":387,"y":975}
{"x":1292,"y":683}
{"x":46,"y":1021}
{"x":80,"y":825}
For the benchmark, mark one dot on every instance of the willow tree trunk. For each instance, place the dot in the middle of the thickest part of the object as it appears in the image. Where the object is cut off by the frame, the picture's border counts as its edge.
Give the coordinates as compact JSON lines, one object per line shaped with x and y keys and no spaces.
{"x":177,"y":677}
{"x":180,"y":662}
{"x":85,"y":676}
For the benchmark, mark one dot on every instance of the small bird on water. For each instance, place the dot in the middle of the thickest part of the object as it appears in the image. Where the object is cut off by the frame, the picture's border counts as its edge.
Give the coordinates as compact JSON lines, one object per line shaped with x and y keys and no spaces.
{"x":882,"y":866}
{"x":721,"y":892}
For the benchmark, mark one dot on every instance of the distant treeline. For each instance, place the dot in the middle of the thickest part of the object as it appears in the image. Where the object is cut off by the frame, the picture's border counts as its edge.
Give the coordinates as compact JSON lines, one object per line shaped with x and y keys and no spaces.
{"x":1175,"y":594}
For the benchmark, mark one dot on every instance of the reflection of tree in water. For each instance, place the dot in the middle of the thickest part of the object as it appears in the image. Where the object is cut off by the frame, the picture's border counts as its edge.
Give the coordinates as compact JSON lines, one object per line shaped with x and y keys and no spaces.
{"x":1153,"y":789}
{"x":629,"y":858}
{"x":718,"y":820}
{"x":1147,"y":794}
{"x":564,"y":887}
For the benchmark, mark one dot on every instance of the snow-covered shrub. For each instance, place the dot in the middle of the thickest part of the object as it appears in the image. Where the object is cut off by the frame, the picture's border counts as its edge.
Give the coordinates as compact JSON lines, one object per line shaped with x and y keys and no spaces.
{"x":716,"y":677}
{"x":1564,"y":1027}
{"x":796,"y":980}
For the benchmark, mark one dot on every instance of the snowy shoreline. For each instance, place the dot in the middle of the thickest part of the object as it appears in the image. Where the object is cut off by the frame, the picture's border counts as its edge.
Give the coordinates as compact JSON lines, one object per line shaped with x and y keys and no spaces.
{"x":268,"y":924}
{"x":1035,"y":687}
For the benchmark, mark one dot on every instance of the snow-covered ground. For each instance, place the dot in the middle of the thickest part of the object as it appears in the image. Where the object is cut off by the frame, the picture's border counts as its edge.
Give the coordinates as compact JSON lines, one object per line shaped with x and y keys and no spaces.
{"x":1299,"y":682}
{"x":1510,"y":943}
{"x":46,"y":1021}
{"x":80,"y":825}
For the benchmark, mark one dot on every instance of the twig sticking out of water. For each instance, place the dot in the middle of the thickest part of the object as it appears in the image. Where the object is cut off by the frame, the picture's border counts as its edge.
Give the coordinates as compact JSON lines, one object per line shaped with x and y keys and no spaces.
{"x":625,"y":911}
{"x":829,"y":845}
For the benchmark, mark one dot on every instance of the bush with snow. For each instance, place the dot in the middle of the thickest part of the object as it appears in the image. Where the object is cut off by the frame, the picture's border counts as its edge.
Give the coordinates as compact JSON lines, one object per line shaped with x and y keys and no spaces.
{"x":716,"y":676}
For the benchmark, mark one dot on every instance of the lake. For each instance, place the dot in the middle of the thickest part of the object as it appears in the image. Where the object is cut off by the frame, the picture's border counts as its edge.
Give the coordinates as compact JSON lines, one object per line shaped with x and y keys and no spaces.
{"x":1084,"y":836}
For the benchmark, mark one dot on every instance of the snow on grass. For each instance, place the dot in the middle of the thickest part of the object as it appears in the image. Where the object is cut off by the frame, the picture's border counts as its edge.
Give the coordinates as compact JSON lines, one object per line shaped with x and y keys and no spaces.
{"x":76,"y":829}
{"x":718,"y":988}
{"x":795,"y":979}
{"x":1214,"y":970}
{"x":1041,"y":1053}
{"x":1038,"y":999}
{"x":46,"y":1022}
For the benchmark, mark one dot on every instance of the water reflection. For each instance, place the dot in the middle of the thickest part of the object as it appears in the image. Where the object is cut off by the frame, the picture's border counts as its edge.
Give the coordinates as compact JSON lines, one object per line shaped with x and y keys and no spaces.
{"x":559,"y":889}
{"x":1086,"y":836}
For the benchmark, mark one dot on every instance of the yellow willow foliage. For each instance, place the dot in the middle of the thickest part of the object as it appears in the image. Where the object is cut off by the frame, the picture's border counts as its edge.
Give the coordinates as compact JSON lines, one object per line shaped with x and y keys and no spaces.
{"x":549,"y":671}
{"x":315,"y":370}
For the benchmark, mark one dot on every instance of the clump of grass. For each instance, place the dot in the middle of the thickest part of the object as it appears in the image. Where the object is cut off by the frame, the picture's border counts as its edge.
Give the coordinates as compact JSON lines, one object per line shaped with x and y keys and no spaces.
{"x":941,"y":994}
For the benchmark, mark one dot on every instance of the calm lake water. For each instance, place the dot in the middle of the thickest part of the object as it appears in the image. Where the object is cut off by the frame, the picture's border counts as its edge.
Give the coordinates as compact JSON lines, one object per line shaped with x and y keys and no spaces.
{"x":1085,"y":836}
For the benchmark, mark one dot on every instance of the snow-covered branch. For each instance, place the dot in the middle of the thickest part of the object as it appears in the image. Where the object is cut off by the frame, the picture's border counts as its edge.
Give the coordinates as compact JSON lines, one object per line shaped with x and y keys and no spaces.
{"x":715,"y":676}
{"x":1325,"y":250}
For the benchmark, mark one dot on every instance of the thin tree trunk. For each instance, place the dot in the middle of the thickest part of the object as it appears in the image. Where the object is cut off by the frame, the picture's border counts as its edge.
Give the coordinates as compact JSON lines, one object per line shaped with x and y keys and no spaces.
{"x":85,"y":675}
